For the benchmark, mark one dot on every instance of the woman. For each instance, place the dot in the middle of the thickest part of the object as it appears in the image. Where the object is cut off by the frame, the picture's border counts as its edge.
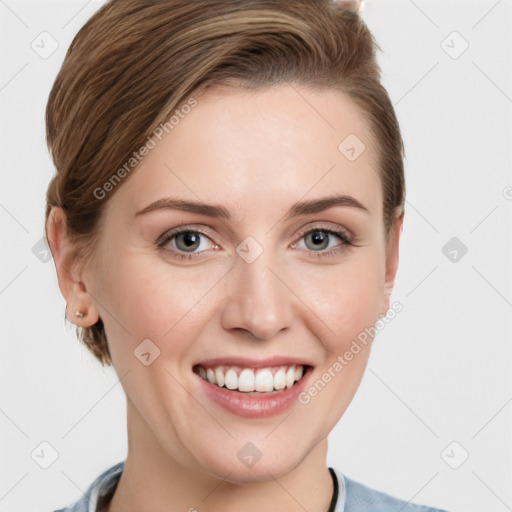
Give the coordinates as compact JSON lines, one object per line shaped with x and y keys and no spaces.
{"x":225,"y":222}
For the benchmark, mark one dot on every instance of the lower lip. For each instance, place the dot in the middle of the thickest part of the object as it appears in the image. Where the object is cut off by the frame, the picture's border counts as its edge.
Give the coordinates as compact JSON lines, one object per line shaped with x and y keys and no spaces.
{"x":254,"y":406}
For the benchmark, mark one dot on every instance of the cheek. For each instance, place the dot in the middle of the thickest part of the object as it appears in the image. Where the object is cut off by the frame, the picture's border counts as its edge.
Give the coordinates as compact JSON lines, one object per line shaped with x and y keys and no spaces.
{"x":148,"y":299}
{"x":346,"y":299}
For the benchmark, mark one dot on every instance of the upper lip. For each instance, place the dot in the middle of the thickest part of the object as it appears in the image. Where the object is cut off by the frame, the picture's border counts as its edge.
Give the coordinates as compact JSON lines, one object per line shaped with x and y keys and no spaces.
{"x":244,"y":362}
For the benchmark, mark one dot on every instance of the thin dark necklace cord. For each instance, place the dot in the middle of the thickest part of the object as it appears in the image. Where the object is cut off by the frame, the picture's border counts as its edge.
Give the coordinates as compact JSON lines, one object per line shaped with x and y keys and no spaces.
{"x":104,"y":499}
{"x":334,"y":499}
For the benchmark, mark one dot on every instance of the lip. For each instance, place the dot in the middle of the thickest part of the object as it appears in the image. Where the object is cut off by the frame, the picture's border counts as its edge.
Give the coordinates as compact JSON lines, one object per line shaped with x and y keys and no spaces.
{"x":253,"y":406}
{"x":244,"y":362}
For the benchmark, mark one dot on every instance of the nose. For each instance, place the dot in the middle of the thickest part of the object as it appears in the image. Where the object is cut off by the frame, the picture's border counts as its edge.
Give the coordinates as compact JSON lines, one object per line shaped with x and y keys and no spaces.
{"x":259,"y":300}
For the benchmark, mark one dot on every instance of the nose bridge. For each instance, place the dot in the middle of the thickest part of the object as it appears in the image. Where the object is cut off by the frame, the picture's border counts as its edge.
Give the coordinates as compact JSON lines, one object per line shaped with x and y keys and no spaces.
{"x":258,"y":299}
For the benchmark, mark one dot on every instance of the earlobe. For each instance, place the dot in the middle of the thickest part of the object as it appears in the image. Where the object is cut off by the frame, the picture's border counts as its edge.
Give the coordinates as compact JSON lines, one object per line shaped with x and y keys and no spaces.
{"x":80,"y":308}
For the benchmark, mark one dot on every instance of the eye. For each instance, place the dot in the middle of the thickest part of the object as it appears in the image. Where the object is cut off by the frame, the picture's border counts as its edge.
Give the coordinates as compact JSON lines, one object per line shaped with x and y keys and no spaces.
{"x":319,"y":239}
{"x":185,"y":242}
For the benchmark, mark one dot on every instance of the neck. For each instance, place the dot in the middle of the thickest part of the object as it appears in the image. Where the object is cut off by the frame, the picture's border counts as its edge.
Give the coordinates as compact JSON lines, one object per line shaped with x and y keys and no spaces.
{"x":154,"y":480}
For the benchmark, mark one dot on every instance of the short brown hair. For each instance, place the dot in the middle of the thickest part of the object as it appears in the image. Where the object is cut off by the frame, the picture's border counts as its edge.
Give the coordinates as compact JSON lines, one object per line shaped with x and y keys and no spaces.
{"x":136,"y":61}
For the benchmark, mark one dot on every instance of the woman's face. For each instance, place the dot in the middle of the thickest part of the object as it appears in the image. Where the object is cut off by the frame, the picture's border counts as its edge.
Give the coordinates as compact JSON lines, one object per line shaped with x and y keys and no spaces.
{"x":255,"y":289}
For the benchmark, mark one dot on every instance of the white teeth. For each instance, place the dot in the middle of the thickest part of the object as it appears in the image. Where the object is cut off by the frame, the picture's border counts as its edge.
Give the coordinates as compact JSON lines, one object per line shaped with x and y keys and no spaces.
{"x":280,"y":379}
{"x":246,"y":380}
{"x":231,"y":379}
{"x":264,"y":380}
{"x":210,"y":375}
{"x":219,"y":376}
{"x":290,"y":377}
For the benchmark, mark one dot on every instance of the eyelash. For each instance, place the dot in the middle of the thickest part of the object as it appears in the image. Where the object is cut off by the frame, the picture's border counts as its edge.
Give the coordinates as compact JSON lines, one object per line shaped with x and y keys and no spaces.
{"x":164,"y":239}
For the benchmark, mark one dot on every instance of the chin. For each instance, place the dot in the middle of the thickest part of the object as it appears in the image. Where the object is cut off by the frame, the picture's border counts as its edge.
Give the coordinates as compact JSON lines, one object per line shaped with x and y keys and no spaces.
{"x":260,"y":460}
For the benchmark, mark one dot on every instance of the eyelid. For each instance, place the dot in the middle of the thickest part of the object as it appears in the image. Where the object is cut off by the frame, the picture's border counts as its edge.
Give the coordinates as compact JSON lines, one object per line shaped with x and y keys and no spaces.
{"x":164,"y":237}
{"x":327,"y":226}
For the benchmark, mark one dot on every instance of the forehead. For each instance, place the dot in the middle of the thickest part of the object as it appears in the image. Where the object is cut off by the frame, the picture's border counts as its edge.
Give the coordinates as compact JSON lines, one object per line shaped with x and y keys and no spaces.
{"x":256,"y":150}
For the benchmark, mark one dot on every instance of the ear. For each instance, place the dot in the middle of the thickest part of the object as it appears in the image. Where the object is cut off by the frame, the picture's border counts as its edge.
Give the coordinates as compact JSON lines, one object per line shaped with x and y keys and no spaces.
{"x":392,"y":257}
{"x":68,"y":272}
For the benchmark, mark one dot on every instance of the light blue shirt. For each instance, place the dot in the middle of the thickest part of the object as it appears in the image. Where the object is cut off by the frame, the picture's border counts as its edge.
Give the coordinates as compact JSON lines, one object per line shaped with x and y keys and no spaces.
{"x":352,"y":496}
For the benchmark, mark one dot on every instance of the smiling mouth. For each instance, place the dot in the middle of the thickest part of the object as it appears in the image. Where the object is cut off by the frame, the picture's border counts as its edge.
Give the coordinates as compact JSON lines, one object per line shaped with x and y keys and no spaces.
{"x":268,"y":380}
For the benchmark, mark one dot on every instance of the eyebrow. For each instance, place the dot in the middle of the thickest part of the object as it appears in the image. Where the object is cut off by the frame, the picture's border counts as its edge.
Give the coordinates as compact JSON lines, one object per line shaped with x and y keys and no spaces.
{"x":218,"y":211}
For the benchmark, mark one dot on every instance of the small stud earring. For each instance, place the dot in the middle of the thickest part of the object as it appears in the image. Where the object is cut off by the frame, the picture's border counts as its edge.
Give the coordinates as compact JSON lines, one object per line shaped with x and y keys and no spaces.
{"x":80,"y":314}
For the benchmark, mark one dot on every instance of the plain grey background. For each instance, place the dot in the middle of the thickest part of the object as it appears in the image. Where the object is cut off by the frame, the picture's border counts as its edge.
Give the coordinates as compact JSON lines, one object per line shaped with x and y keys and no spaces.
{"x":432,"y":420}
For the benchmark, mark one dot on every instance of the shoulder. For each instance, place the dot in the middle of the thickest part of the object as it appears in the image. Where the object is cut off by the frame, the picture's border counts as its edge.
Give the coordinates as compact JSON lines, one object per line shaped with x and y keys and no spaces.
{"x":100,"y":490}
{"x":360,"y":498}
